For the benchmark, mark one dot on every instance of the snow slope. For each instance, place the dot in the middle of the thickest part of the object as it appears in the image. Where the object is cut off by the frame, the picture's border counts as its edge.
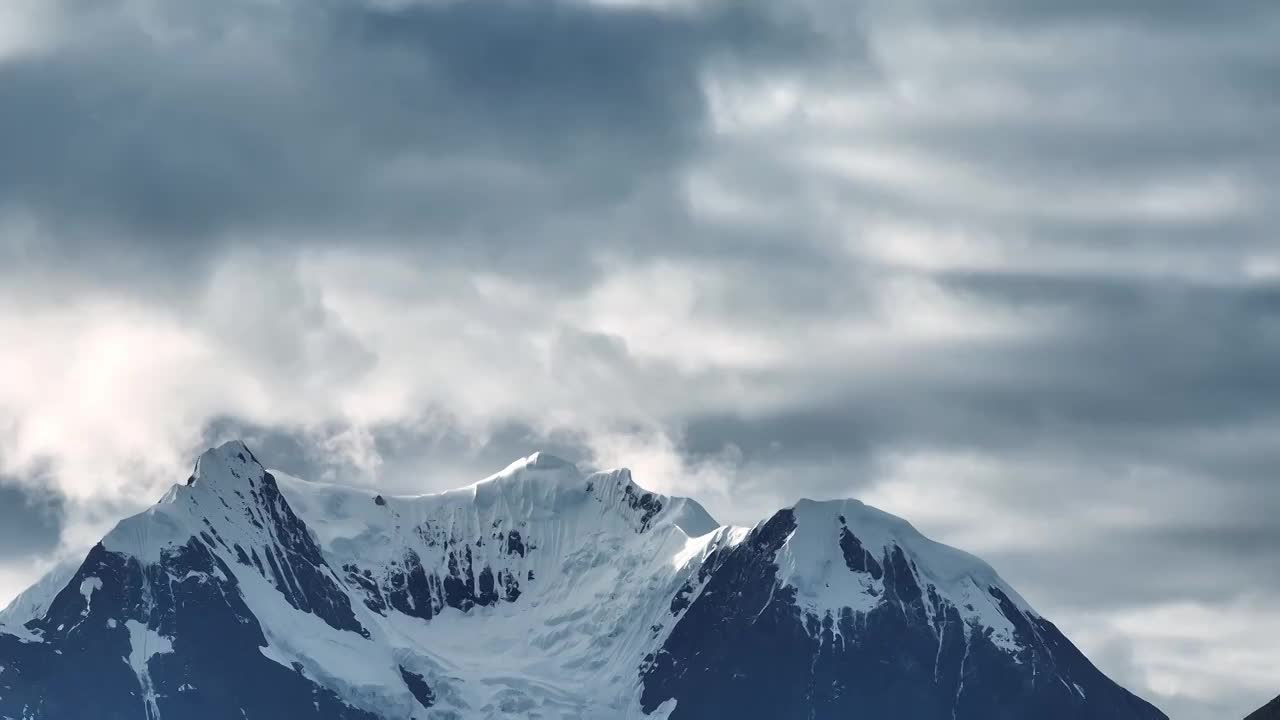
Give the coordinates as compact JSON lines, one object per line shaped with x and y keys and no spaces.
{"x":34,"y":601}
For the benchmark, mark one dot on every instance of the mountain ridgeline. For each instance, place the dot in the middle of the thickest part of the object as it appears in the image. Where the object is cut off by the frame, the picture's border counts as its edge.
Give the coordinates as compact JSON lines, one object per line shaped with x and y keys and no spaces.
{"x":1270,"y":711}
{"x":538,"y":592}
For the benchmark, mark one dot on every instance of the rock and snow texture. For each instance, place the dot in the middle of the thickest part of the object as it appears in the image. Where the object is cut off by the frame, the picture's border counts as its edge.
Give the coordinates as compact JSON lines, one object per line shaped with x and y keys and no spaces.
{"x":34,"y":601}
{"x":538,"y":592}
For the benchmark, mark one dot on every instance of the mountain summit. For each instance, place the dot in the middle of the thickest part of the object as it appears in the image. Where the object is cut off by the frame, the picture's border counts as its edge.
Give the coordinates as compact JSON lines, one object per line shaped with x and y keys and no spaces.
{"x":540,"y":591}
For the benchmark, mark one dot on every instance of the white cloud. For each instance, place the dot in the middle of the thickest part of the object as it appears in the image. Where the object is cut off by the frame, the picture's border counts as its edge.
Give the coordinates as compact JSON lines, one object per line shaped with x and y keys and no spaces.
{"x":27,"y":27}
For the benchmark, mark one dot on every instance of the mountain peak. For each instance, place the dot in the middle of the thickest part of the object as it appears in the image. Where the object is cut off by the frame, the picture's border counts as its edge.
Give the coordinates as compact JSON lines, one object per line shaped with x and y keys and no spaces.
{"x":546,"y":461}
{"x":833,"y":537}
{"x":540,"y":478}
{"x":232,"y":459}
{"x":540,"y":463}
{"x":225,"y":477}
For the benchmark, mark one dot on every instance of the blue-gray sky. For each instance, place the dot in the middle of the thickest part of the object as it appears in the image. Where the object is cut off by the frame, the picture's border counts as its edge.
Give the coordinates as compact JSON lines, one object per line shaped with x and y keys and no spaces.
{"x":1008,"y":269}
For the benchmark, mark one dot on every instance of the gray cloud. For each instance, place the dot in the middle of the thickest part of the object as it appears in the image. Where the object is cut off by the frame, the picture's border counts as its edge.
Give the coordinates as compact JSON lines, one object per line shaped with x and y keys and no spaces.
{"x":421,"y":125}
{"x":31,"y":519}
{"x":411,"y":459}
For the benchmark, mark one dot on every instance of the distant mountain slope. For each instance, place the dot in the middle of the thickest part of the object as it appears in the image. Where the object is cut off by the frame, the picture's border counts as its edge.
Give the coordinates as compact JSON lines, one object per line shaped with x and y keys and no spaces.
{"x":1270,"y":711}
{"x":538,"y":592}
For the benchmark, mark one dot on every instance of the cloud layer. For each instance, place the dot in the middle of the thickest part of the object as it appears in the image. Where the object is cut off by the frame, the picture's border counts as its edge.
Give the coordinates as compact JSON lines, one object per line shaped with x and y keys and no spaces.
{"x":1008,"y":269}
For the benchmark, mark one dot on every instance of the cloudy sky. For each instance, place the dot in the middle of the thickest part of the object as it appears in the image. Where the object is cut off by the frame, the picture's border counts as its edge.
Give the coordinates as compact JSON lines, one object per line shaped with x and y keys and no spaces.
{"x":1008,"y":268}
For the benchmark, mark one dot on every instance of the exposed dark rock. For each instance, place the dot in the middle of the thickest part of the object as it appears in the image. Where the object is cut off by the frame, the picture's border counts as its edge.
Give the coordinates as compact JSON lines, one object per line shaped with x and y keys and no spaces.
{"x":419,"y":687}
{"x":647,"y":504}
{"x":681,"y":599}
{"x":515,"y":545}
{"x":856,"y":557}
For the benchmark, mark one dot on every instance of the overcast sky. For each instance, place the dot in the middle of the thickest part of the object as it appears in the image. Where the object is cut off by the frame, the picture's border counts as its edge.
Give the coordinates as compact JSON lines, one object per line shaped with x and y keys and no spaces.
{"x":1008,"y":268}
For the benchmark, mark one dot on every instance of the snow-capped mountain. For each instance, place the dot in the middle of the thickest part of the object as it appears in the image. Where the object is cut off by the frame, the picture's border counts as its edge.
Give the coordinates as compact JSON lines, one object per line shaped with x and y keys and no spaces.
{"x":538,"y":592}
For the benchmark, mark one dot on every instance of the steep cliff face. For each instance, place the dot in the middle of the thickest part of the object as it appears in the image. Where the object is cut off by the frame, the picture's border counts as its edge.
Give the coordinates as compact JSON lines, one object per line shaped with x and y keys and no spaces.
{"x":538,"y":592}
{"x":487,"y":543}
